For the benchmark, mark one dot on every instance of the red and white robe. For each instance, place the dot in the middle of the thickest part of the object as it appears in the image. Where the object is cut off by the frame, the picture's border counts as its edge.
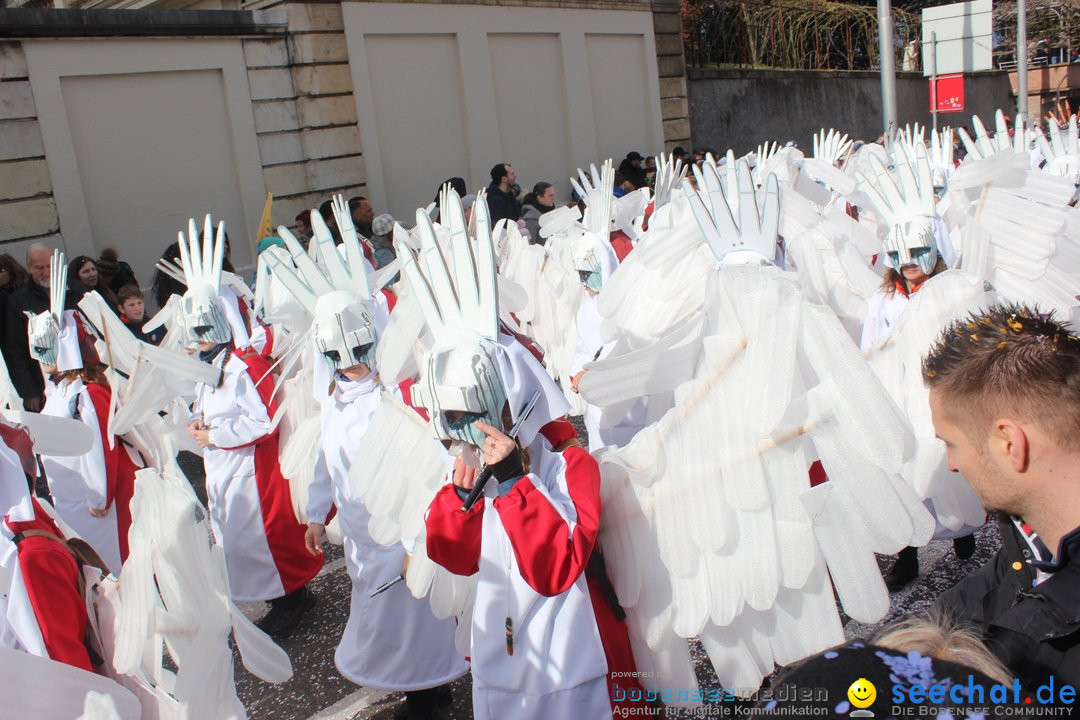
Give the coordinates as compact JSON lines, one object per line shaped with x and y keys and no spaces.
{"x":44,"y":613}
{"x":104,"y":478}
{"x":249,"y":499}
{"x":531,"y":552}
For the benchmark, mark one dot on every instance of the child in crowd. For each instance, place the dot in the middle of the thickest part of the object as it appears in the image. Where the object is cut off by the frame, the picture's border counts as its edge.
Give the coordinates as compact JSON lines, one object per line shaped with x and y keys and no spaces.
{"x":132,"y":308}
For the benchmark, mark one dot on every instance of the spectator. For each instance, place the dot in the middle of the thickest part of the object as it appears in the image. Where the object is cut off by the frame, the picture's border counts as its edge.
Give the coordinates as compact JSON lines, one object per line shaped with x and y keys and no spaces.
{"x":382,"y":239}
{"x":33,"y":298}
{"x":632,"y":169}
{"x":501,"y":200}
{"x":650,"y":171}
{"x":113,"y":272}
{"x":12,"y":274}
{"x":679,"y":153}
{"x":535,"y":204}
{"x":459,"y":187}
{"x":83,"y":277}
{"x":165,"y":286}
{"x":303,"y":227}
{"x":132,"y":307}
{"x":326,"y":211}
{"x":362,"y":215}
{"x":1005,"y":398}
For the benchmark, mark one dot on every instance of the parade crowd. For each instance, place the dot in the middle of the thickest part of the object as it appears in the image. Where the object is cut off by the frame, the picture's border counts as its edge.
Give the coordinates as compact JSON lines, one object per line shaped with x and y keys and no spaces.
{"x":787,"y":363}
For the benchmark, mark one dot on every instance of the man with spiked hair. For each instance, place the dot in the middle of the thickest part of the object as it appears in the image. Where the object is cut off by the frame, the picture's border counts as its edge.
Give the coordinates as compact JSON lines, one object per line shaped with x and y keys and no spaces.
{"x":1005,"y":399}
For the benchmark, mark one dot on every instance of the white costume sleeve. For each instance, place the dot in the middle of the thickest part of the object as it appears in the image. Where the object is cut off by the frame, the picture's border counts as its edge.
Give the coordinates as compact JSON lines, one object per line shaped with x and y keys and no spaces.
{"x":319,"y":498}
{"x":93,"y":463}
{"x":249,"y":425}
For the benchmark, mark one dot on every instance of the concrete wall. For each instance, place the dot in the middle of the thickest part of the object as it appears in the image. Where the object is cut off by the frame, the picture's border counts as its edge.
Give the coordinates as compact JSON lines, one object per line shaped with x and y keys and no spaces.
{"x":116,"y":125}
{"x":447,"y":91}
{"x":742,"y":108}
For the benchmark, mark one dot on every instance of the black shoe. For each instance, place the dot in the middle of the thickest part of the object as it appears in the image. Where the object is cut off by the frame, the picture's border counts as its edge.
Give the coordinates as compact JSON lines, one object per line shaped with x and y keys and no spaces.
{"x":420,"y":705}
{"x":904,"y":570}
{"x":287,"y":612}
{"x":964,"y":547}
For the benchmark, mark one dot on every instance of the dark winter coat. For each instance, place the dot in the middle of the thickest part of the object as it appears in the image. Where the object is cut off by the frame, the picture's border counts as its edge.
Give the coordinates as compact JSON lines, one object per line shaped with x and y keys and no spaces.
{"x":1034,"y":630}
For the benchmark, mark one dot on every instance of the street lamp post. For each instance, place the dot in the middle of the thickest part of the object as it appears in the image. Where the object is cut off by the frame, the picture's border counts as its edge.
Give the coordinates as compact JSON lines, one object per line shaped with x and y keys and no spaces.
{"x":888,"y":67}
{"x":1021,"y":59}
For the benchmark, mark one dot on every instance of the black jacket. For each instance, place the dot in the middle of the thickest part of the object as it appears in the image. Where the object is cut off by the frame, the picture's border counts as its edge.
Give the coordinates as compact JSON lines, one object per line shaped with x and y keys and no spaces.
{"x":501,"y":205}
{"x":1035,"y":631}
{"x":24,"y":370}
{"x":636,"y":175}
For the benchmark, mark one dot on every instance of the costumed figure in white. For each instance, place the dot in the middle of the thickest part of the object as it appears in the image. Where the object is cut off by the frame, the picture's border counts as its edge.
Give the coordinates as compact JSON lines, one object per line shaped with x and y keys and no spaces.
{"x":544,"y":634}
{"x":711,"y":526}
{"x":91,"y":492}
{"x":392,"y":640}
{"x":251,"y":508}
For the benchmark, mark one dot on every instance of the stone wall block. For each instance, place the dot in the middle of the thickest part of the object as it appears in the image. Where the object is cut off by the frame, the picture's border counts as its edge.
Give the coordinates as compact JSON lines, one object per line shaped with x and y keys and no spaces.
{"x":331,"y":142}
{"x":12,"y":60}
{"x":270,"y":84}
{"x":677,"y":129}
{"x":671,"y":87}
{"x":669,"y":44}
{"x":275,"y":116}
{"x":286,"y":180}
{"x":670,"y":66}
{"x":315,"y":16}
{"x":320,"y":111}
{"x":336,"y":173}
{"x":16,"y":100}
{"x":24,"y":179}
{"x":322,"y":79}
{"x":20,"y":139}
{"x":278,"y":148}
{"x":667,"y":22}
{"x":672,"y":108}
{"x":266,"y":53}
{"x":318,"y":48}
{"x":28,"y":218}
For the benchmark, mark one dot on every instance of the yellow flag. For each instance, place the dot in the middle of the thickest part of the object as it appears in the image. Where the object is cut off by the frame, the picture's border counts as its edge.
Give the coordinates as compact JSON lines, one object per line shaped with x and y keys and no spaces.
{"x":266,"y":222}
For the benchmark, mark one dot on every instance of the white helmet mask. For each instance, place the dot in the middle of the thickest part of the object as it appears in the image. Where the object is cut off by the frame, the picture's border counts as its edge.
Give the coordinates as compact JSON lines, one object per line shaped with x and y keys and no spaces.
{"x":904,"y":199}
{"x":203,"y":315}
{"x":459,"y":386}
{"x":454,"y":282}
{"x":345,"y":331}
{"x":587,"y":266}
{"x":912,"y":243}
{"x":43,"y":329}
{"x":336,"y":291}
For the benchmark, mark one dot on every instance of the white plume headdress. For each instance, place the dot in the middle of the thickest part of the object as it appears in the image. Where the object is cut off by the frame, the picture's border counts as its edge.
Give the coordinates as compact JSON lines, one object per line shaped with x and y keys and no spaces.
{"x":336,"y":291}
{"x":752,"y":237}
{"x":470,"y":372}
{"x":53,"y":334}
{"x":908,"y":208}
{"x":204,"y":311}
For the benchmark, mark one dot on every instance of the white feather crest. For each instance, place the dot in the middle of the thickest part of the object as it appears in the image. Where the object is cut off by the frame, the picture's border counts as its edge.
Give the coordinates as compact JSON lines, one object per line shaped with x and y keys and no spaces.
{"x":455,"y":286}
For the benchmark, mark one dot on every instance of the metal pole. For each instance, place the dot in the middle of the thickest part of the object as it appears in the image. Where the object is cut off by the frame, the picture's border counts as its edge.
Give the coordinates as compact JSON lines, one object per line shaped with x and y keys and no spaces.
{"x":933,"y":78}
{"x":1021,"y":60}
{"x":888,"y":67}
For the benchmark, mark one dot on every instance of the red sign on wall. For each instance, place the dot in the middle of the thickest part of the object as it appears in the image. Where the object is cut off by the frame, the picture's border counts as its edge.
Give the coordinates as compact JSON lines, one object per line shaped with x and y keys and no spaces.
{"x":950,"y":93}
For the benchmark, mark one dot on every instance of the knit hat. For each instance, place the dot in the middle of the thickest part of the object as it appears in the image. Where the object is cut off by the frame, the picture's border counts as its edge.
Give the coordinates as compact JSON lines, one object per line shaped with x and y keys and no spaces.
{"x":109,"y":262}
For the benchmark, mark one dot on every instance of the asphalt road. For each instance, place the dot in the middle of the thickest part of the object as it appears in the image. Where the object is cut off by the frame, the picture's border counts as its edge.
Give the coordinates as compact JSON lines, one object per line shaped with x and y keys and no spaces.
{"x":317,"y":691}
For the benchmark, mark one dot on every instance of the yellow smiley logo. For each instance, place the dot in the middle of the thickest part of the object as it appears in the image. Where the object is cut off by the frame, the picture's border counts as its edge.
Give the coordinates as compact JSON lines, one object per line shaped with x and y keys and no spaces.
{"x":862,"y":693}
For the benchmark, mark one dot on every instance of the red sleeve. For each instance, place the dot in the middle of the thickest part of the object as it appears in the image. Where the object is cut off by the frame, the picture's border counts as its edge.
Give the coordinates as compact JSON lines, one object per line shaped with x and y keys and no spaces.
{"x":52,"y":583}
{"x":453,"y":536}
{"x":101,"y":396}
{"x":549,"y":556}
{"x":558,"y":431}
{"x":391,"y":300}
